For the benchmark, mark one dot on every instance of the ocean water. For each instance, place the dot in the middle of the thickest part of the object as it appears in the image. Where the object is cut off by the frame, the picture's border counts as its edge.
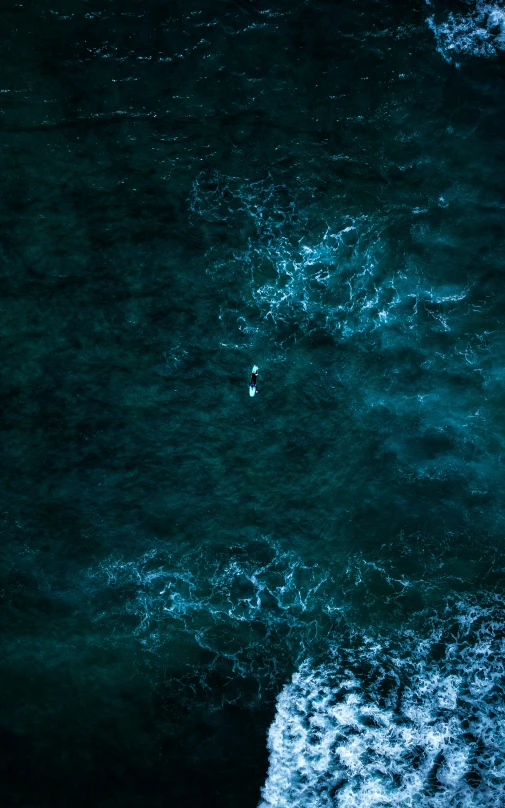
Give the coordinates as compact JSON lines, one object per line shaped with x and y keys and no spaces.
{"x":287,"y":601}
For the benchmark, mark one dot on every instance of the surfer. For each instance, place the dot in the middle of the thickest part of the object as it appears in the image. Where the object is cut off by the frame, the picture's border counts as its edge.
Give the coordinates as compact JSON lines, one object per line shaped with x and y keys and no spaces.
{"x":254,"y":378}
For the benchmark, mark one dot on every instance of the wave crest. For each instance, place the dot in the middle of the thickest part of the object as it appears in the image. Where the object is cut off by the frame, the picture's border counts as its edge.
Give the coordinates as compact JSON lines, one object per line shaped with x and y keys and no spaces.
{"x":415,"y":722}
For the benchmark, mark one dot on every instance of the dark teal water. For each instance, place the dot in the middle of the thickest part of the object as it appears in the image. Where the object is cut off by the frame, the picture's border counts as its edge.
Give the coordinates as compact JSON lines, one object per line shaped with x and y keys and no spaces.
{"x":288,"y":600}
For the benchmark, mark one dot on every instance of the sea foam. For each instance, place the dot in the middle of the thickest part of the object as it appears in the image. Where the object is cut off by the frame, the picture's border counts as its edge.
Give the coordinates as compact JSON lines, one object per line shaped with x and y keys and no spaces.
{"x":227,"y":610}
{"x":307,"y":268}
{"x":481,"y":32}
{"x":416,"y":721}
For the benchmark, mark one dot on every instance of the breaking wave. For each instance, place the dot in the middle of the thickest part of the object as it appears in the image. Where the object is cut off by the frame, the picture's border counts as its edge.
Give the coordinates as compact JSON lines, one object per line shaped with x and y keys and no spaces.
{"x":414,"y":721}
{"x":481,"y":32}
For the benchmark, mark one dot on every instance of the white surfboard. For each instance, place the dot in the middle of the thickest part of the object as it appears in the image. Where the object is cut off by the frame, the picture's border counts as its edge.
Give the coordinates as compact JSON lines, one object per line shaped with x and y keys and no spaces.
{"x":252,"y":387}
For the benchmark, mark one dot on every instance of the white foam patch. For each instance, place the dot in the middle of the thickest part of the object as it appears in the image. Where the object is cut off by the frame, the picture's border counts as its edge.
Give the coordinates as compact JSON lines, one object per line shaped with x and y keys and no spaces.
{"x":416,"y":723}
{"x":481,"y":32}
{"x":301,"y":274}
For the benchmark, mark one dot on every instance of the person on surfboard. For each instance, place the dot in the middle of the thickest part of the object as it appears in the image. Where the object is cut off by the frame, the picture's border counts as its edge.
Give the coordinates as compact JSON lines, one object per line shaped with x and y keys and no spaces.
{"x":254,"y":378}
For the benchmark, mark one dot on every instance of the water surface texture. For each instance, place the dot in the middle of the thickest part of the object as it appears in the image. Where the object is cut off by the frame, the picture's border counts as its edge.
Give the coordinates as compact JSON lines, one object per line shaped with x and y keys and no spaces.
{"x":287,"y":601}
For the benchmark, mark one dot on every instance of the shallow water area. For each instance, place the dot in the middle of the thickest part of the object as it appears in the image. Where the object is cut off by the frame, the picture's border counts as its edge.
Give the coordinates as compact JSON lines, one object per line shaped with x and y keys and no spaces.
{"x":286,"y":600}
